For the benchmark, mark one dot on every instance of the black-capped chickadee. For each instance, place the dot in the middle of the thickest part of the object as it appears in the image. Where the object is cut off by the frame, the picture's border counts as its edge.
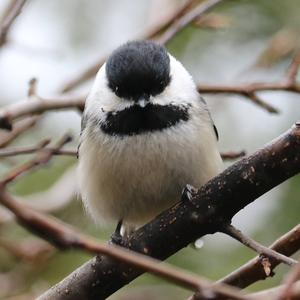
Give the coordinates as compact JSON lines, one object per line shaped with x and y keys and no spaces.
{"x":146,"y":133}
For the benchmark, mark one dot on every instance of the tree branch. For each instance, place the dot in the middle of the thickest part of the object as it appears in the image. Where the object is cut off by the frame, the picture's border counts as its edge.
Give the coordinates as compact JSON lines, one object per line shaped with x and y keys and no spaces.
{"x":19,"y":128}
{"x":254,"y":271}
{"x":187,"y":19}
{"x":289,"y":282}
{"x":211,"y":207}
{"x":11,"y":14}
{"x":43,"y":156}
{"x":38,"y":105}
{"x":260,"y":249}
{"x":272,"y":293}
{"x":14,"y":151}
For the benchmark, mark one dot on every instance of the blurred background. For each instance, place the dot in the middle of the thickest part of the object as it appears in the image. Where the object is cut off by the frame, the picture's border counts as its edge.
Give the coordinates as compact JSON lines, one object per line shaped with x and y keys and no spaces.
{"x":53,"y":41}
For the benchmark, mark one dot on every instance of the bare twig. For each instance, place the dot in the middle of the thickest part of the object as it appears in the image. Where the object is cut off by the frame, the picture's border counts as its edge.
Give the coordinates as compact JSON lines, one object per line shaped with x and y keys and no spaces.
{"x":32,"y":88}
{"x":227,"y":155}
{"x":253,"y":271}
{"x":14,"y":151}
{"x":293,"y":69}
{"x":252,"y":244}
{"x":43,"y":156}
{"x":187,"y":19}
{"x":19,"y":128}
{"x":260,"y":267}
{"x":281,"y":45}
{"x":62,"y":192}
{"x":38,"y":105}
{"x":158,"y":28}
{"x":258,"y":101}
{"x":272,"y":294}
{"x":9,"y":18}
{"x":289,"y":282}
{"x":31,"y":250}
{"x":250,"y":90}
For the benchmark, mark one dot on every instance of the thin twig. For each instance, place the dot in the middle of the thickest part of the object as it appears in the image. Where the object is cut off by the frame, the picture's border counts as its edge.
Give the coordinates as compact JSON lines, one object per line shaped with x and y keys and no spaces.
{"x":252,"y":244}
{"x":258,"y":101}
{"x":43,"y":156}
{"x":272,"y":293}
{"x":289,"y":282}
{"x":259,"y":268}
{"x":60,"y":194}
{"x":14,"y":151}
{"x":253,"y":270}
{"x":38,"y":105}
{"x":187,"y":19}
{"x":19,"y":128}
{"x":158,"y":28}
{"x":224,"y":155}
{"x":32,"y":87}
{"x":293,"y":69}
{"x":9,"y":18}
{"x":30,"y":250}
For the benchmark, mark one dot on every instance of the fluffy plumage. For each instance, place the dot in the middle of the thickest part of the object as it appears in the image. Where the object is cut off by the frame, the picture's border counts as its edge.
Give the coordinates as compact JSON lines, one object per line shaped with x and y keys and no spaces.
{"x":137,"y":167}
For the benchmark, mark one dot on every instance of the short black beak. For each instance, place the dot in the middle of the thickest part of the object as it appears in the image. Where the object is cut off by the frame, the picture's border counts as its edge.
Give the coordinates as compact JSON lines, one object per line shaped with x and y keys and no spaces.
{"x":143,"y":100}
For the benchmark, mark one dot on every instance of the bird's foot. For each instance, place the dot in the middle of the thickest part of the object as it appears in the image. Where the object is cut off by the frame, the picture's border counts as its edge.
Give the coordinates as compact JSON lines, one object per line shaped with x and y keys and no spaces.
{"x":116,"y":238}
{"x":188,"y":193}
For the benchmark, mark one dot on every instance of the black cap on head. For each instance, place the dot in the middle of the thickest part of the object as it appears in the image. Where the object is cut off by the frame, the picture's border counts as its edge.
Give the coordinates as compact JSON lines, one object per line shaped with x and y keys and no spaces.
{"x":138,"y":69}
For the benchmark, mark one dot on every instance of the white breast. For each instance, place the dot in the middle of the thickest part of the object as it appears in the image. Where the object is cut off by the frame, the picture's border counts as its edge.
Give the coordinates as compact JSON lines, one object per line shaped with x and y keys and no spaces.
{"x":136,"y":177}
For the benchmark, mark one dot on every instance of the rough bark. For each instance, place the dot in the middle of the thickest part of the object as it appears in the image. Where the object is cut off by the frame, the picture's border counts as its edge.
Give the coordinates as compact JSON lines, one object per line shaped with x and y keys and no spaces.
{"x":211,"y":207}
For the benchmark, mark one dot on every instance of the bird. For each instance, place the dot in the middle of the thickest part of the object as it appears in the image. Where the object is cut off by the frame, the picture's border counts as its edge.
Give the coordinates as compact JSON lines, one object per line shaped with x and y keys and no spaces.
{"x":146,"y":133}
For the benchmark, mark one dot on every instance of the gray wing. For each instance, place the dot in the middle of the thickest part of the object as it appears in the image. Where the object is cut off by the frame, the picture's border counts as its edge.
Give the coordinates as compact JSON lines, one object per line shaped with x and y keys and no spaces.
{"x":212,"y":122}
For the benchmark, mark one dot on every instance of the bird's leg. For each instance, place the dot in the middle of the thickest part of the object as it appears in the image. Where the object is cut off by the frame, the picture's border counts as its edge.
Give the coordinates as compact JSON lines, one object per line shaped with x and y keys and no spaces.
{"x":116,"y":237}
{"x":188,"y":192}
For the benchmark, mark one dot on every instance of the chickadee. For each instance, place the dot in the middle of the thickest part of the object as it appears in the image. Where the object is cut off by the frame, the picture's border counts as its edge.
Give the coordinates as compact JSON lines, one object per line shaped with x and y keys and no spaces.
{"x":146,"y":133}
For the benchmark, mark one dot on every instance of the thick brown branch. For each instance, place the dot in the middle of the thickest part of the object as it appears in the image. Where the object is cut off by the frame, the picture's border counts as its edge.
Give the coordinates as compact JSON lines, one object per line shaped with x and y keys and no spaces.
{"x":213,"y":206}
